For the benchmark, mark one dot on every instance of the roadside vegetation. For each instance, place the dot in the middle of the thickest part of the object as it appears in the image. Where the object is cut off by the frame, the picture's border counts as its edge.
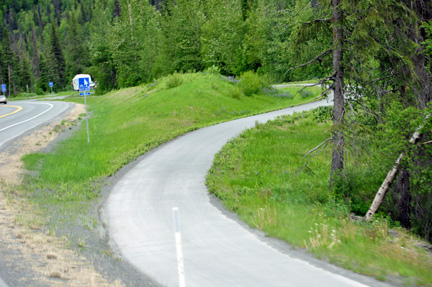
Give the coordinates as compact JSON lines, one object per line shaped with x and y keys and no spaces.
{"x":270,"y":177}
{"x":127,"y":123}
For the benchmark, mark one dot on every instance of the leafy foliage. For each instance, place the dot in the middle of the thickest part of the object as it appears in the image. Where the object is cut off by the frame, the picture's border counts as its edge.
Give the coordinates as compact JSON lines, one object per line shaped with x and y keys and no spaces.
{"x":251,"y":83}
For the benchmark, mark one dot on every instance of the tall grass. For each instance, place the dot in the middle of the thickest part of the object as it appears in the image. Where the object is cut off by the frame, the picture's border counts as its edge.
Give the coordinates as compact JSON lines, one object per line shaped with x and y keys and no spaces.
{"x":263,"y":176}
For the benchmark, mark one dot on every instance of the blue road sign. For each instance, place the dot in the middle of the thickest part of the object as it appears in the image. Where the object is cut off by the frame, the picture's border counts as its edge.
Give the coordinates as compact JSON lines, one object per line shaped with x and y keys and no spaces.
{"x":84,"y":84}
{"x":3,"y":87}
{"x":51,"y":84}
{"x":85,"y":94}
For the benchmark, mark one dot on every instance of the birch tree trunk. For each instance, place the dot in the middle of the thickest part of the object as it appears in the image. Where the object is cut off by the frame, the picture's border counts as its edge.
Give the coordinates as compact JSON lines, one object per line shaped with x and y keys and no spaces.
{"x":382,"y":191}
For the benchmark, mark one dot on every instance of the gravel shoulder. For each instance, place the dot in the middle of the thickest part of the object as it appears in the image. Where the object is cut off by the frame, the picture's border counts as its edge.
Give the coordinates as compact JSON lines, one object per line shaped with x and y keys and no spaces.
{"x":32,"y":255}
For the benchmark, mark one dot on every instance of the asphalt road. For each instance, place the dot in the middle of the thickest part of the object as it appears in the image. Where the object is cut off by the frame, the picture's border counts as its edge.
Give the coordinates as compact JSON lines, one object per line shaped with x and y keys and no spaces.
{"x":218,"y":250}
{"x":16,"y":120}
{"x":20,"y":117}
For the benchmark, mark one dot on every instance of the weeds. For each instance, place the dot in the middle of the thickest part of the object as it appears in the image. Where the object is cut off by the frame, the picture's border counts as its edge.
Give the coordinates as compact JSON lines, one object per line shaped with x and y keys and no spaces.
{"x":266,"y":216}
{"x":264,"y":188}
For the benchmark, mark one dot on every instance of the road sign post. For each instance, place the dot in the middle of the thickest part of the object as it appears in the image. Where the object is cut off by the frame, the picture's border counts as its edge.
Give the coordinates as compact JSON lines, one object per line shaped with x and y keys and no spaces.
{"x":84,"y":88}
{"x":51,"y":84}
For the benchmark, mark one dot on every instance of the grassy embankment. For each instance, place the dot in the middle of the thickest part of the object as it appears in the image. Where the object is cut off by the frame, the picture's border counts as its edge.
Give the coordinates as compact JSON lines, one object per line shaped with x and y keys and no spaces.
{"x":263,"y":177}
{"x":127,"y":123}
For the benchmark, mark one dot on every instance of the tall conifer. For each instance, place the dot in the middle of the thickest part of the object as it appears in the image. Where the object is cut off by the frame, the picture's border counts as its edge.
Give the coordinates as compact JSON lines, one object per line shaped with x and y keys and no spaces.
{"x":58,"y":64}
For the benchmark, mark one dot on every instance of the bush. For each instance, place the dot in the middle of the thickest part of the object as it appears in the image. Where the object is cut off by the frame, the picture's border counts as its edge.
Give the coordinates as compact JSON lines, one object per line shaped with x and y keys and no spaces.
{"x":251,"y":83}
{"x":38,"y":91}
{"x":234,"y":92}
{"x":214,"y":70}
{"x":173,"y":81}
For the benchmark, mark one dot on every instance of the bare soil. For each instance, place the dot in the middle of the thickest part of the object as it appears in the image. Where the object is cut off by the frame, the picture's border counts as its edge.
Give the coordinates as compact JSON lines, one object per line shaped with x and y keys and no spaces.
{"x":35,"y":257}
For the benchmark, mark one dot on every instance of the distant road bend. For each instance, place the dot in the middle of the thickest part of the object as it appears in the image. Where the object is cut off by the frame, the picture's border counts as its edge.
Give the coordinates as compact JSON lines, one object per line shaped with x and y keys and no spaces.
{"x":20,"y":117}
{"x":218,"y":250}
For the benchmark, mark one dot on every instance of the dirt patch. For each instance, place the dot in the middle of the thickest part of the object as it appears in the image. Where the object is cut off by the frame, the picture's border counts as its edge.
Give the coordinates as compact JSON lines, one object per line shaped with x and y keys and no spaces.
{"x":51,"y":263}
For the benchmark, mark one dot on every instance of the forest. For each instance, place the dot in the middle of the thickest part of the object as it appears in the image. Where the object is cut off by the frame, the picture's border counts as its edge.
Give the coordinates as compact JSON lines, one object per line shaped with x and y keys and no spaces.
{"x":376,"y":53}
{"x":126,"y":43}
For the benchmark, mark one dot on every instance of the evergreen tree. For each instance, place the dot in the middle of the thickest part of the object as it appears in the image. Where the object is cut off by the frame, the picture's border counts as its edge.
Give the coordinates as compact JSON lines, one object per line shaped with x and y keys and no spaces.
{"x":182,"y":22}
{"x":24,"y":76}
{"x":44,"y":72}
{"x":103,"y":68}
{"x":57,"y":63}
{"x":76,"y":52}
{"x":7,"y":61}
{"x":134,"y":42}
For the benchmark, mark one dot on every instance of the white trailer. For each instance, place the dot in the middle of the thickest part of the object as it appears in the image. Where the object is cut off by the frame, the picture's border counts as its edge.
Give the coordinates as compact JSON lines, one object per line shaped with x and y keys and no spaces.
{"x":75,"y":81}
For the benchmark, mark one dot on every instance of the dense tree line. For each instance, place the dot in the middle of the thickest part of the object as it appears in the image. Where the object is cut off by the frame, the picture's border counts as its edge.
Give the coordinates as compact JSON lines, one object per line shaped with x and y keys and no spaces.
{"x":128,"y":42}
{"x":374,"y":55}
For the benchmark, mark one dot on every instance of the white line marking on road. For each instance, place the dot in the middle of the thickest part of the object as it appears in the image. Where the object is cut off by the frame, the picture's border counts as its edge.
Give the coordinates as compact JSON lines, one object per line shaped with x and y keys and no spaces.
{"x":2,"y":283}
{"x":38,"y":115}
{"x":180,"y":263}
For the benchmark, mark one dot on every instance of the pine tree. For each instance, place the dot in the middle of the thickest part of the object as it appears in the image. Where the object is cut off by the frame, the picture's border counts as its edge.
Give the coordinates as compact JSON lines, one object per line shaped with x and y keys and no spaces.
{"x":7,"y":63}
{"x":134,"y":42}
{"x":338,"y":90}
{"x":76,"y":49}
{"x":57,"y":61}
{"x":44,"y":72}
{"x":25,"y":77}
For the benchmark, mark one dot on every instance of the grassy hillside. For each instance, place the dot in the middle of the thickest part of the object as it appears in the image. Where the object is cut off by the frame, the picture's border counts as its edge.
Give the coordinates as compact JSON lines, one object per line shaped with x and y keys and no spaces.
{"x":261,"y":175}
{"x":126,"y":123}
{"x":264,"y":176}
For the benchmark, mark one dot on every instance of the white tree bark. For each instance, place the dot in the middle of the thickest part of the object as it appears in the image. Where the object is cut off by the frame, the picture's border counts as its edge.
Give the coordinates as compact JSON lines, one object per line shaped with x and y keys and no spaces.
{"x":382,"y":191}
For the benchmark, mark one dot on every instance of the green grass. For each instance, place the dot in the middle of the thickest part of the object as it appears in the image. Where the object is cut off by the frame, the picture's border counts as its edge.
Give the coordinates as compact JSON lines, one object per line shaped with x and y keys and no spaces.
{"x":301,"y":82}
{"x":127,"y":123}
{"x":25,"y":96}
{"x":263,"y":176}
{"x":123,"y":125}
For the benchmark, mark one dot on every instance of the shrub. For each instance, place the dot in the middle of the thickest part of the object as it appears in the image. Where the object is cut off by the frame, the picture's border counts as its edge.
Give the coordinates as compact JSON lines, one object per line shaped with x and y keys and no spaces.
{"x":38,"y":91}
{"x":251,"y":83}
{"x":214,"y":70}
{"x":323,"y":113}
{"x":173,"y":81}
{"x":234,"y":92}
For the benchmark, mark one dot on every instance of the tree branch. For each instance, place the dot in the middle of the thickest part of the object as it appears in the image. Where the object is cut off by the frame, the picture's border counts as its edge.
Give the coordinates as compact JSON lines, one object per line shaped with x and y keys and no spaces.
{"x":317,"y":84}
{"x":325,"y":92}
{"x":322,"y":145}
{"x":315,"y":148}
{"x":311,"y":61}
{"x":317,"y":21}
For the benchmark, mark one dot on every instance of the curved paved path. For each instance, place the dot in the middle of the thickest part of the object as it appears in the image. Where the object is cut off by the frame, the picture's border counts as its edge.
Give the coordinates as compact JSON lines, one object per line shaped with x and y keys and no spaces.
{"x":218,"y":251}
